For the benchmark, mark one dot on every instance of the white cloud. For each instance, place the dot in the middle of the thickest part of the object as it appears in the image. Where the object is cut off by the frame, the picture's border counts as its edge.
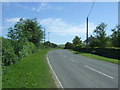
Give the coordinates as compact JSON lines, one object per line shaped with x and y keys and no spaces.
{"x":42,"y":6}
{"x":9,"y":22}
{"x":12,"y":20}
{"x":59,"y":26}
{"x":45,"y":6}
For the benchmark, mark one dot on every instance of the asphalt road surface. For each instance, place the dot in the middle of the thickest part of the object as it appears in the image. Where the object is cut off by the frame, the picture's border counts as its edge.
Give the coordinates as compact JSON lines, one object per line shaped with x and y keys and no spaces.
{"x":75,"y":71}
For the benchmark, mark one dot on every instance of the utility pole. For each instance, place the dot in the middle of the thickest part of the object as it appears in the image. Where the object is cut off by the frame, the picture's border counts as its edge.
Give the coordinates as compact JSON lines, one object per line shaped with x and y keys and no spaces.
{"x":44,"y":35}
{"x":87,"y":46}
{"x":48,"y":35}
{"x":87,"y":34}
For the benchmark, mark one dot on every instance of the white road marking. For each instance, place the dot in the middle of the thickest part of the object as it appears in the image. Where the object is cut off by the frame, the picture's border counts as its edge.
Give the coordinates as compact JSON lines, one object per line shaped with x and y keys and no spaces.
{"x":98,"y":71}
{"x":54,"y":73}
{"x":65,"y":56}
{"x":73,"y":60}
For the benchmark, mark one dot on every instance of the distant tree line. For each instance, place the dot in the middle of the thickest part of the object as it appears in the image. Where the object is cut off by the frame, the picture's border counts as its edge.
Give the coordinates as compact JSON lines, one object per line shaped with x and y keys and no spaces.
{"x":76,"y":42}
{"x":98,"y":39}
{"x":24,"y":38}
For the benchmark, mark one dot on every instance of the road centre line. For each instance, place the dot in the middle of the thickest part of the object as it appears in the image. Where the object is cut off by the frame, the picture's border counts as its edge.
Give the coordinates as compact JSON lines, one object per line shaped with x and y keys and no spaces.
{"x":73,"y":60}
{"x":65,"y":56}
{"x":98,"y":72}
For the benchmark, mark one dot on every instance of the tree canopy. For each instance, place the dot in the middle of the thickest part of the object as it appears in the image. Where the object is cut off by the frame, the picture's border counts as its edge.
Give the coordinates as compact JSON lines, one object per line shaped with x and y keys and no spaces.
{"x":77,"y":40}
{"x":68,"y":45}
{"x":100,"y":35}
{"x":116,"y":36}
{"x":26,"y":30}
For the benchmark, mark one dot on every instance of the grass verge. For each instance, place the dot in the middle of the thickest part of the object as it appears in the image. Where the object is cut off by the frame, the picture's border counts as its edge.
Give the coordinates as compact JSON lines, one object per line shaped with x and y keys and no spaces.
{"x":97,"y":57}
{"x":31,"y":72}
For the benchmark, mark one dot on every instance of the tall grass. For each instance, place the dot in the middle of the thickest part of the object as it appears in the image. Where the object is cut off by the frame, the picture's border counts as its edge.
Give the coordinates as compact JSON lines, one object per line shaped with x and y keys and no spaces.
{"x":31,"y":72}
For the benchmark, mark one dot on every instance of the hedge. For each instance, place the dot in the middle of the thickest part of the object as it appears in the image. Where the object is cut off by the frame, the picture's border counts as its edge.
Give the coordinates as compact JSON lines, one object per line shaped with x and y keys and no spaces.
{"x":8,"y":53}
{"x":106,"y":52}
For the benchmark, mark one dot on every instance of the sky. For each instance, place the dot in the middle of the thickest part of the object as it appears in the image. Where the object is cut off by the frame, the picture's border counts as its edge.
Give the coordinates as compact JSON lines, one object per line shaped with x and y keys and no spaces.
{"x":64,"y":20}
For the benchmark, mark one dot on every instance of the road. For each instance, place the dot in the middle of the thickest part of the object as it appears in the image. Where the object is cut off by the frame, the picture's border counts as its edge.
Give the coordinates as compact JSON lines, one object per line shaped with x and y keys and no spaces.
{"x":76,"y":71}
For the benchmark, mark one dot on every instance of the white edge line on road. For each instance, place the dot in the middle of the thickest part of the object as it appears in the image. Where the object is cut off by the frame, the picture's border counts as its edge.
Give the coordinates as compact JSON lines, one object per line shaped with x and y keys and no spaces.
{"x":99,"y":72}
{"x":54,"y":73}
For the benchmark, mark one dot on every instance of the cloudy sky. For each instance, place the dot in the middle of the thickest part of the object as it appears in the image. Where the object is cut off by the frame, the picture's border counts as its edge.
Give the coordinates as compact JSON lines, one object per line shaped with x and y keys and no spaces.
{"x":64,"y":20}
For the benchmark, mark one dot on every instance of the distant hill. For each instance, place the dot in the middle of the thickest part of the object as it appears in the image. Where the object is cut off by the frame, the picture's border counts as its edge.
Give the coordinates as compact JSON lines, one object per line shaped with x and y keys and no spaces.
{"x":61,"y":45}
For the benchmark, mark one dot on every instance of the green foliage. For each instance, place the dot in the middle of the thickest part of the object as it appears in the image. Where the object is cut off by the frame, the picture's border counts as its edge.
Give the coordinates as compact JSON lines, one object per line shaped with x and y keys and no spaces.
{"x":61,"y":46}
{"x":105,"y":52}
{"x":50,"y":45}
{"x":93,"y":42}
{"x":24,"y":38}
{"x":100,"y":38}
{"x":17,"y":45}
{"x":83,"y":45}
{"x":40,"y":46}
{"x":26,"y":30}
{"x":27,"y":49}
{"x":32,"y":72}
{"x":77,"y":40}
{"x":54,"y":45}
{"x":97,"y":57}
{"x":109,"y":42}
{"x":77,"y":43}
{"x":8,"y":53}
{"x":69,"y":45}
{"x":116,"y":36}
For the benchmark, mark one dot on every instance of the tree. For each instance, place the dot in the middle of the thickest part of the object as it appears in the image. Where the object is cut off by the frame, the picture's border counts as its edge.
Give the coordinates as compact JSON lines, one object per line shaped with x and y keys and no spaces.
{"x":68,"y":45}
{"x":100,"y":34}
{"x":54,"y":45}
{"x":109,"y":41}
{"x":77,"y":41}
{"x":116,"y":36}
{"x":26,"y":30}
{"x":48,"y":44}
{"x":93,"y":42}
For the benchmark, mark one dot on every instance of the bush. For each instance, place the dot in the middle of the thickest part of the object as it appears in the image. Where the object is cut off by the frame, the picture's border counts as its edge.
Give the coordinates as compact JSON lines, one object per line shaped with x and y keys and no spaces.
{"x":94,"y":43}
{"x":50,"y":45}
{"x":27,"y":49}
{"x":69,"y":45}
{"x":17,"y":46}
{"x":8,"y":53}
{"x":40,"y":46}
{"x":54,"y":45}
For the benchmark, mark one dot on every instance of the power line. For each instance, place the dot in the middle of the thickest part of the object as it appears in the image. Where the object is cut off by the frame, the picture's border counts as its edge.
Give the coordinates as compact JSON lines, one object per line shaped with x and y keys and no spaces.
{"x":91,"y":8}
{"x":87,"y":46}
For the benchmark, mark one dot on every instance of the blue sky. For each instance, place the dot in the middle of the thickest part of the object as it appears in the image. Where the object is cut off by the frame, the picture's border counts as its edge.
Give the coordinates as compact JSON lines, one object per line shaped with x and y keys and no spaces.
{"x":63,"y":20}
